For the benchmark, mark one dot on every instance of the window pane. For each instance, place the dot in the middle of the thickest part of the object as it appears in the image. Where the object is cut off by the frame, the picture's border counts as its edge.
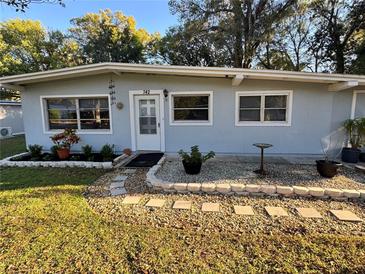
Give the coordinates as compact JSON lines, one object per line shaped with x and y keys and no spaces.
{"x":191,"y":101}
{"x":62,"y":114}
{"x":275,"y":115}
{"x":191,"y":115}
{"x":94,"y":114}
{"x":250,"y":101}
{"x":94,"y":103}
{"x":249,"y":115}
{"x":147,"y":125}
{"x":62,"y":124}
{"x":61,"y":103}
{"x":277,"y":101}
{"x":95,"y":124}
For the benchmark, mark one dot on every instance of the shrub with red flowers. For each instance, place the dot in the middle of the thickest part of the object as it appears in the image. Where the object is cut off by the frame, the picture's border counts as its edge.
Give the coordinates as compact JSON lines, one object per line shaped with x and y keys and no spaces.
{"x":66,"y":138}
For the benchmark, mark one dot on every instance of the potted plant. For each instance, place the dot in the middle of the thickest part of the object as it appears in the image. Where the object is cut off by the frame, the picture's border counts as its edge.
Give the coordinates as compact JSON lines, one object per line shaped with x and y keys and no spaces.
{"x":353,"y":130}
{"x":193,"y":162}
{"x":327,"y":168}
{"x":64,"y":141}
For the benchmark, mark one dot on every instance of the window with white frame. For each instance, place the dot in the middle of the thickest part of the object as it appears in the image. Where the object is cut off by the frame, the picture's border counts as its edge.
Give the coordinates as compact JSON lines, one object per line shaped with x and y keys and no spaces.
{"x":263,"y":108}
{"x":192,"y":108}
{"x":84,"y":113}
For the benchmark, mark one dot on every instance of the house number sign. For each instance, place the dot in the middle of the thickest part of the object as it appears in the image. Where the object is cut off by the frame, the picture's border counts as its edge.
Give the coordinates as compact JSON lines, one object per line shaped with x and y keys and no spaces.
{"x":146,"y":91}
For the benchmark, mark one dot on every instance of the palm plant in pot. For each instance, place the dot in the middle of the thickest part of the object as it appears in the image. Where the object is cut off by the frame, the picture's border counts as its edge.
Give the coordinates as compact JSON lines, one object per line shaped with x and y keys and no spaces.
{"x":193,"y":162}
{"x":326,"y":167}
{"x":355,"y":132}
{"x":64,"y":141}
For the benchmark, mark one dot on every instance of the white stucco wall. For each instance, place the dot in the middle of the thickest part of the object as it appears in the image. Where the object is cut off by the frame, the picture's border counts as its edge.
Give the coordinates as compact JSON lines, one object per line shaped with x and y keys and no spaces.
{"x":315,"y":113}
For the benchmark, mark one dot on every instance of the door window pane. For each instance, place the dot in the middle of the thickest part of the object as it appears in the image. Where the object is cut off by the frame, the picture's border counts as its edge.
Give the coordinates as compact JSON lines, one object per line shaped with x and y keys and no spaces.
{"x":147,"y":125}
{"x":147,"y":116}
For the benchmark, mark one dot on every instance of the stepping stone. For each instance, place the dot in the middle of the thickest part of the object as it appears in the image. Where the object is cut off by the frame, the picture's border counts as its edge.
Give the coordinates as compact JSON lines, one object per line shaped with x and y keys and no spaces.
{"x":210,"y":207}
{"x":120,"y":178}
{"x":276,"y":211}
{"x":129,"y":171}
{"x":155,"y":203}
{"x":131,"y":200}
{"x":244,"y":210}
{"x":118,"y":191}
{"x":345,"y":215}
{"x":182,"y":205}
{"x":308,"y":212}
{"x":117,"y":185}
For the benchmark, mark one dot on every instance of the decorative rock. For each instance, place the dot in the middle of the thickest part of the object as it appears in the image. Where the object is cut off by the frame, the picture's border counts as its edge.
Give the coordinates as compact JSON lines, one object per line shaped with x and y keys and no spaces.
{"x":268,"y":189}
{"x":345,"y":215}
{"x":182,"y":205}
{"x":180,"y":186}
{"x":155,"y":203}
{"x":131,"y":200}
{"x":316,"y":191}
{"x":209,"y":188}
{"x":238,"y":187}
{"x":194,"y":187}
{"x":168,"y":187}
{"x":284,"y":190}
{"x":301,"y":190}
{"x":117,"y":185}
{"x":210,"y":207}
{"x":333,"y":192}
{"x":362,"y":193}
{"x":244,"y":210}
{"x":129,"y":171}
{"x":351,"y":193}
{"x":308,"y":212}
{"x":252,"y":188}
{"x":276,"y":211}
{"x":223,"y":188}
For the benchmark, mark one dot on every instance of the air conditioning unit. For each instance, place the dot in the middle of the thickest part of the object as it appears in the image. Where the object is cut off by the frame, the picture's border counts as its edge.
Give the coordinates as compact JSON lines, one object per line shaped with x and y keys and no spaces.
{"x":5,"y":132}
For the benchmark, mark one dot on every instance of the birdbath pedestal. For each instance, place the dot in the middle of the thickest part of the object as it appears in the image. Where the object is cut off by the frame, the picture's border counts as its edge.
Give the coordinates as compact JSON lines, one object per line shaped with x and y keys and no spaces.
{"x":262,"y":146}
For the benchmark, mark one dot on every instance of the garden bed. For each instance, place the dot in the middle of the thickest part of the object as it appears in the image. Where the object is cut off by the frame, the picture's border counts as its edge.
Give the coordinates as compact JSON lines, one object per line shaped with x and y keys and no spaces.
{"x":227,"y":172}
{"x":96,"y":157}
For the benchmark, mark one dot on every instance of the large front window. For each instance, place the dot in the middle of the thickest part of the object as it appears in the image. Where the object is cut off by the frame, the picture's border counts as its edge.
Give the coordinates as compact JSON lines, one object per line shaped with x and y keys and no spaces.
{"x":255,"y":108}
{"x":78,"y":113}
{"x":191,"y":108}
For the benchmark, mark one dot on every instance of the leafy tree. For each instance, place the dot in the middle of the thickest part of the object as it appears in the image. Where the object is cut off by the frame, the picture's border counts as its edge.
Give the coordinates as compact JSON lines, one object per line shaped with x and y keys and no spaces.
{"x":111,"y":37}
{"x":358,"y":64}
{"x":26,"y":46}
{"x":21,"y":5}
{"x":236,"y":27}
{"x":338,"y":21}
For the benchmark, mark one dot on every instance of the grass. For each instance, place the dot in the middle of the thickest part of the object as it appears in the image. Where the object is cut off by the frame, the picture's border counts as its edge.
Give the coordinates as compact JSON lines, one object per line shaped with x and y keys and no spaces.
{"x":11,"y":146}
{"x":46,"y":225}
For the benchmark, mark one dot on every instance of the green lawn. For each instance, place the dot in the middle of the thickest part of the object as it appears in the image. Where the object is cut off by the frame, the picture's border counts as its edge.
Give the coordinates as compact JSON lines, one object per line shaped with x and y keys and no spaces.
{"x":46,"y":225}
{"x":11,"y":146}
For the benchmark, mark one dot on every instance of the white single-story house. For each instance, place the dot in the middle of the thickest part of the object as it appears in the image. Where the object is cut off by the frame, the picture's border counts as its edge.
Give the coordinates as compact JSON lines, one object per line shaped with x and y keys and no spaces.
{"x":11,"y":118}
{"x":168,"y":108}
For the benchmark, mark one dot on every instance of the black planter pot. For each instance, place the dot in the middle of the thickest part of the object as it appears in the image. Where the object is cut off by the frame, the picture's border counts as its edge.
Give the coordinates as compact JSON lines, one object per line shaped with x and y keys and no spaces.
{"x":327,"y":169}
{"x":192,"y":168}
{"x":362,"y":157}
{"x":350,"y":155}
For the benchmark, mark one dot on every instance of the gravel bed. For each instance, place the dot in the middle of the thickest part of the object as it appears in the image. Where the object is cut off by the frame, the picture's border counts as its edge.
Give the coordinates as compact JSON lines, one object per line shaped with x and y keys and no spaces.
{"x":111,"y":208}
{"x":220,"y":172}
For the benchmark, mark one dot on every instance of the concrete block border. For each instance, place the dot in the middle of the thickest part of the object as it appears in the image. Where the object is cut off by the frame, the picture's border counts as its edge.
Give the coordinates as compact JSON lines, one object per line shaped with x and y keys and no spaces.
{"x":58,"y":164}
{"x":250,"y":189}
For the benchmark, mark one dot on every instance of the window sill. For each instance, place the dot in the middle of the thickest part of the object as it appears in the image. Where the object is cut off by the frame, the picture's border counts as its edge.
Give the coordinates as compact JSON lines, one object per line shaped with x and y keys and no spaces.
{"x":262,"y":124}
{"x":190,"y":123}
{"x":82,"y":132}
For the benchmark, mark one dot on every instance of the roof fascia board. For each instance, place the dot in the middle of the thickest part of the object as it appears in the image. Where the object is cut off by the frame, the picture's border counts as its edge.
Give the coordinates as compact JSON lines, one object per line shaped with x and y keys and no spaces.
{"x":12,"y":87}
{"x":343,"y":85}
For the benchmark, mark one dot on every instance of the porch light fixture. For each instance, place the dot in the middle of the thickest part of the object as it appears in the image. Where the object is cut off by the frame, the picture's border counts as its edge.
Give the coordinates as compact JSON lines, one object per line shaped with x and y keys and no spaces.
{"x":165,"y":93}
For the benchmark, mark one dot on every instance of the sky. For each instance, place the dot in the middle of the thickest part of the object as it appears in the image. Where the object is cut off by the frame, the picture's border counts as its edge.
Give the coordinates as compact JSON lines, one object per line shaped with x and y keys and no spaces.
{"x":152,"y":15}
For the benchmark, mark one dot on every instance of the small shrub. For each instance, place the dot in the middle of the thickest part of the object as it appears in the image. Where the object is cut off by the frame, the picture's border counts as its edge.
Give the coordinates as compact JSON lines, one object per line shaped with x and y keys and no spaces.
{"x":75,"y":158}
{"x":35,"y":152}
{"x":87,"y":150}
{"x":54,"y":151}
{"x":107,"y":152}
{"x":48,"y":157}
{"x":195,"y":155}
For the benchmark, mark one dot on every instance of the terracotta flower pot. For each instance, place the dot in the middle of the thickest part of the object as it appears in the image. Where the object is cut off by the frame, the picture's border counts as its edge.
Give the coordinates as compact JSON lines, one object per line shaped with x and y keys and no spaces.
{"x":127,"y":151}
{"x":63,"y":153}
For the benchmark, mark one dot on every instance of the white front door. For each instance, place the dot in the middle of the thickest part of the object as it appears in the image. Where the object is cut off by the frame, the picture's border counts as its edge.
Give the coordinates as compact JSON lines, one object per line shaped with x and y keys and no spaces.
{"x":147,"y":115}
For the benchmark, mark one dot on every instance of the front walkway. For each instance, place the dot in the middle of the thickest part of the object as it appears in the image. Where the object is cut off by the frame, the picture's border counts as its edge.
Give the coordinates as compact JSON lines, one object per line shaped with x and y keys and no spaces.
{"x":219,"y":213}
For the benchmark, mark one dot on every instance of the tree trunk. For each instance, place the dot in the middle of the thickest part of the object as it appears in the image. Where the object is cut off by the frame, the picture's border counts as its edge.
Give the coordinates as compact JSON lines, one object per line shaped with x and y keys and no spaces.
{"x":237,"y":30}
{"x":340,"y":59}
